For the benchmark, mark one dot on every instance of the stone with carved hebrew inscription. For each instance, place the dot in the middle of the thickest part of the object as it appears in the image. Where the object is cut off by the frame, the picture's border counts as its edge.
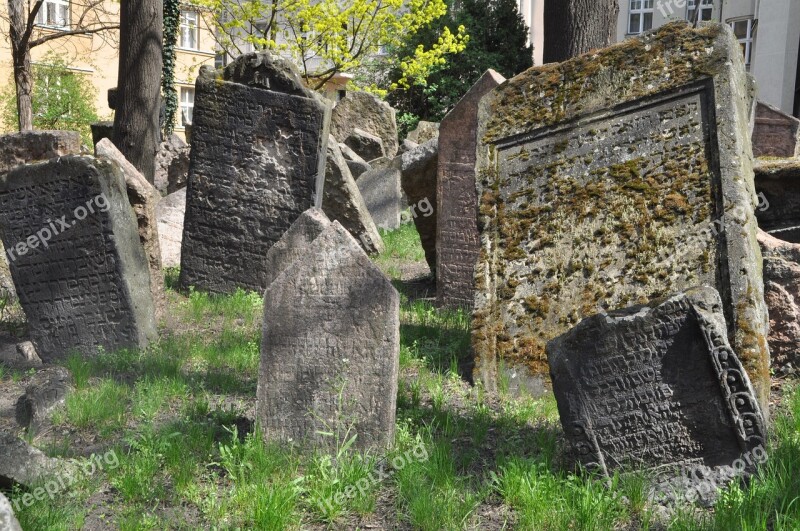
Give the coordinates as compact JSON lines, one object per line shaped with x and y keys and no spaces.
{"x":258,"y":162}
{"x":295,"y":242}
{"x":79,"y":267}
{"x":658,"y":388}
{"x":330,"y":349}
{"x":456,"y":199}
{"x":615,"y":178}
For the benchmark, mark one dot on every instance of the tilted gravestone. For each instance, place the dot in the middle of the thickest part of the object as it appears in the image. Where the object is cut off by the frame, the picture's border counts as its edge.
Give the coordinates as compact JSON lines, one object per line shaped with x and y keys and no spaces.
{"x":342,"y":201}
{"x":615,"y":178}
{"x":418,"y":168}
{"x":657,"y":388}
{"x":80,"y":270}
{"x":295,"y":242}
{"x":457,"y":201}
{"x":258,"y":161}
{"x":330,"y":348}
{"x":380,"y":188}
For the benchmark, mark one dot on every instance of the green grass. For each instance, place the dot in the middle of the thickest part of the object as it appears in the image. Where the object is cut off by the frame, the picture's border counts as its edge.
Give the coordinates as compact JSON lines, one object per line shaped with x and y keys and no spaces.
{"x":175,"y":414}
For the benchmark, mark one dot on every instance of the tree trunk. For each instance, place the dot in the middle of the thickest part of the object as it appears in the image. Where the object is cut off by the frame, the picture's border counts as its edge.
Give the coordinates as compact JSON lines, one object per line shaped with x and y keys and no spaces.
{"x":573,"y":27}
{"x":136,"y":121}
{"x":21,"y":59}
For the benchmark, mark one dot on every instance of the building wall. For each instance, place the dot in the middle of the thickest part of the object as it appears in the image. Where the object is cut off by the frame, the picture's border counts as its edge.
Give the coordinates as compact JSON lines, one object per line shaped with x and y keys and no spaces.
{"x":98,"y":57}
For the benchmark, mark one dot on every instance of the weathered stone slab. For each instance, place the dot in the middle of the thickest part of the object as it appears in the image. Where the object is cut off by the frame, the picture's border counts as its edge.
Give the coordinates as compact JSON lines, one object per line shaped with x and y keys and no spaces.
{"x":330,"y":349}
{"x":365,"y":145}
{"x":656,"y":388}
{"x":775,"y":134}
{"x":32,"y":146}
{"x":77,"y":262}
{"x":424,"y":132}
{"x":47,"y":390}
{"x":258,"y":162}
{"x":172,"y":165}
{"x":143,"y":197}
{"x":23,"y":464}
{"x":418,"y":169}
{"x":170,"y":213}
{"x":342,"y":201}
{"x":457,"y":242}
{"x":380,"y":188}
{"x":295,"y":242}
{"x":366,"y":112}
{"x":8,"y":522}
{"x":778,"y":187}
{"x":617,"y":177}
{"x":782,"y":294}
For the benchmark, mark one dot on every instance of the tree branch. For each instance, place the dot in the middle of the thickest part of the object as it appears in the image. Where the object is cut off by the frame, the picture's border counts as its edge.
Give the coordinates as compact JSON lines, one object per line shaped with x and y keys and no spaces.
{"x":60,"y":34}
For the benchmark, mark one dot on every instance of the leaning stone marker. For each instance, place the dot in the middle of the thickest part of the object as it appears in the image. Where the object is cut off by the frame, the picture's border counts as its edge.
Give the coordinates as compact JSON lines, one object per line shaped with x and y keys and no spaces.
{"x":80,"y":270}
{"x":418,"y":169}
{"x":258,"y":162}
{"x":616,"y":177}
{"x":457,"y":243}
{"x":656,"y":387}
{"x":295,"y":242}
{"x":380,"y":189}
{"x":330,"y":348}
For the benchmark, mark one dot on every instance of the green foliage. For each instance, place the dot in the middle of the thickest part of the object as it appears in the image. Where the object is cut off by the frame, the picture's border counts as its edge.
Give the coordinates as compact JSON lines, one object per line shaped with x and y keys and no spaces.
{"x":62,"y":99}
{"x":172,"y":22}
{"x":497,"y":39}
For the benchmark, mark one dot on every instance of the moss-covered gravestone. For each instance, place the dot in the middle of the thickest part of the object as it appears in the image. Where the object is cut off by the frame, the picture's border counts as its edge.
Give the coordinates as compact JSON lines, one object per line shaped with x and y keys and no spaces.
{"x":258,"y":162}
{"x":611,"y":179}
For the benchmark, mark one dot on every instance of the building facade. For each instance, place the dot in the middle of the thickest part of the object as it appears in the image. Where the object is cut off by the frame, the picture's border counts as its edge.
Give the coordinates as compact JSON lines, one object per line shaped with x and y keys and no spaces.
{"x":97,"y":57}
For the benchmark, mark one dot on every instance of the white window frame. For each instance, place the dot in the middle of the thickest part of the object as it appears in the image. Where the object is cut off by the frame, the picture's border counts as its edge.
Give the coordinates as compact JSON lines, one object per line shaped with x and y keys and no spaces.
{"x":190,"y":26}
{"x":640,"y":8}
{"x":747,"y":40}
{"x":43,"y":15}
{"x":705,"y":5}
{"x":186,"y":105}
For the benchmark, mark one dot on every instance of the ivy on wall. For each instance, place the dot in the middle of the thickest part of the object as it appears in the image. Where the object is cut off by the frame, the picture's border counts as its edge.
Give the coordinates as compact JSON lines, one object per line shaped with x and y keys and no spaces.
{"x":172,"y":20}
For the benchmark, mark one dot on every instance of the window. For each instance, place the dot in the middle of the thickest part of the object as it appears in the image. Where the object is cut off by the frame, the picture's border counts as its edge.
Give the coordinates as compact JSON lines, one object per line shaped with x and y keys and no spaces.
{"x":187,"y":106}
{"x":706,"y":9}
{"x":54,"y":13}
{"x":641,"y":16}
{"x":743,"y":29}
{"x":220,"y":59}
{"x":189,"y":28}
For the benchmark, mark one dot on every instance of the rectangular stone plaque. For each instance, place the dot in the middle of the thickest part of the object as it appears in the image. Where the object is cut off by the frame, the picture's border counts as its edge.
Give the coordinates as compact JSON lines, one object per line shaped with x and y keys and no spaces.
{"x":73,"y":245}
{"x":610,"y":180}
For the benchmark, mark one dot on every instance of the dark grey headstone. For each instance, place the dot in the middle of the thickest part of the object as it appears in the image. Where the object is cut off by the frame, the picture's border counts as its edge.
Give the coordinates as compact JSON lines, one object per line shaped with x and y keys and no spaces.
{"x":330,"y":349}
{"x":656,"y":388}
{"x":295,"y":242}
{"x":368,"y":146}
{"x":80,"y":270}
{"x":380,"y":189}
{"x":257,"y":163}
{"x":418,"y":169}
{"x":615,"y":178}
{"x":46,"y":391}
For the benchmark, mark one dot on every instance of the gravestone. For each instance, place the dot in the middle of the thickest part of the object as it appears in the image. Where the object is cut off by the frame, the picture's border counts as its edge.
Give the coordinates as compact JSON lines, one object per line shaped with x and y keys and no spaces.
{"x":365,"y":145}
{"x":615,"y":178}
{"x":143,"y":197}
{"x":418,"y":169}
{"x":380,"y":188}
{"x":778,"y":187}
{"x":369,"y":113}
{"x":32,"y":146}
{"x":424,"y":132}
{"x":8,"y":522}
{"x":170,"y":213}
{"x":330,"y":348}
{"x":457,"y":201}
{"x":342,"y":201}
{"x":258,"y":162}
{"x":775,"y":134}
{"x":80,"y":270}
{"x":656,"y":388}
{"x":295,"y":242}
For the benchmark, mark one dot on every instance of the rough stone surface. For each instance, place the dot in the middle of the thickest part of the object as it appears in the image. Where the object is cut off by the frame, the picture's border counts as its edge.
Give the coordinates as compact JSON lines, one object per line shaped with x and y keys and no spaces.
{"x":365,"y":145}
{"x":381,"y":191}
{"x":603,"y":181}
{"x":81,"y":273}
{"x":366,"y":112}
{"x":357,"y":169}
{"x":424,"y":132}
{"x":656,"y":388}
{"x":330,"y":348}
{"x":457,"y":242}
{"x":775,"y":134}
{"x":778,"y":187}
{"x":172,"y":165}
{"x":47,"y":390}
{"x":418,"y":169}
{"x":782,"y":293}
{"x":21,"y":463}
{"x":143,"y":197}
{"x":8,"y":522}
{"x":342,"y":202}
{"x":27,"y":352}
{"x":32,"y":146}
{"x":170,"y":212}
{"x":407,"y":145}
{"x":295,"y":242}
{"x":258,"y":162}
